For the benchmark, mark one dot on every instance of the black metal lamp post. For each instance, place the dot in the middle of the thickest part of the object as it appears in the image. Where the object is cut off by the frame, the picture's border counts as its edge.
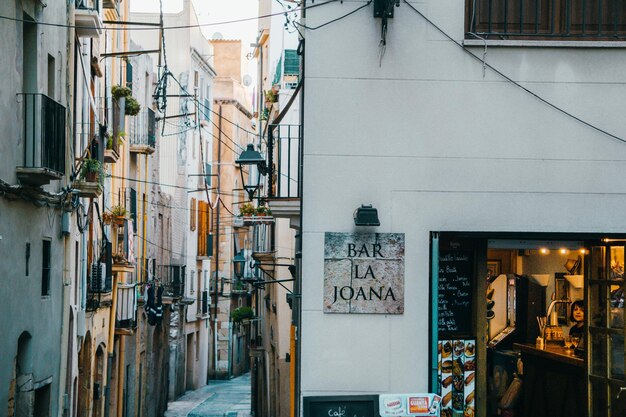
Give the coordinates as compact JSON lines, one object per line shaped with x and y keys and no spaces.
{"x":239,"y":262}
{"x":251,"y":157}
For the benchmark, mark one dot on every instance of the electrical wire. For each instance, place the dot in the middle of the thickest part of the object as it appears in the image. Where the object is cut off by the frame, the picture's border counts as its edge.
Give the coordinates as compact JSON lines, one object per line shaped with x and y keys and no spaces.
{"x":200,"y":25}
{"x":515,"y":83}
{"x":334,"y":20}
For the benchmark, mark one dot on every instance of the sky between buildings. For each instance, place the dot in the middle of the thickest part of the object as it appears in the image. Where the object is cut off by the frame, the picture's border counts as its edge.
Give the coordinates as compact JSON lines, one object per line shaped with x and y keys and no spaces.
{"x":211,"y":11}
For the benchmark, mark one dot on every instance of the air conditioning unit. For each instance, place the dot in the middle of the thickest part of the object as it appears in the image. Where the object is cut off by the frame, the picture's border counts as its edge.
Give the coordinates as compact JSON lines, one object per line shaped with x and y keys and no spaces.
{"x":98,"y":274}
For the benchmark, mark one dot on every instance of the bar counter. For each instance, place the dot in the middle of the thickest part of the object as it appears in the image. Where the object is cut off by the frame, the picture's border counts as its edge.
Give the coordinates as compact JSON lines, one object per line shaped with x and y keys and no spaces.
{"x":554,"y":382}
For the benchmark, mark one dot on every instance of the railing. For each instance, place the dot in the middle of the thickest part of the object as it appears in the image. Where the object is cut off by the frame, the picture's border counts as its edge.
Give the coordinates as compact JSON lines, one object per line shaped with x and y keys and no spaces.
{"x":88,"y":4}
{"x":118,"y":118}
{"x":262,"y":241}
{"x":285,"y":160}
{"x":550,"y":19}
{"x":126,"y":311}
{"x":44,"y":133}
{"x":143,"y":129}
{"x":172,"y":278}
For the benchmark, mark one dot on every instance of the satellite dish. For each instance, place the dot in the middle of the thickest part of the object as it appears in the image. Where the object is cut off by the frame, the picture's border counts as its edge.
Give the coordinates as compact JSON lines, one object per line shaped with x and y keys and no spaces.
{"x":218,"y":36}
{"x":247,"y":80}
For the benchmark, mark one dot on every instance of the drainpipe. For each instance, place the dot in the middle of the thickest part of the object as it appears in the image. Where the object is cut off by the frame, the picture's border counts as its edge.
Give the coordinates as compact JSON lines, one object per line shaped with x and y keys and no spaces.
{"x":110,"y":345}
{"x":217,"y":242}
{"x":144,"y":246}
{"x":121,"y":377}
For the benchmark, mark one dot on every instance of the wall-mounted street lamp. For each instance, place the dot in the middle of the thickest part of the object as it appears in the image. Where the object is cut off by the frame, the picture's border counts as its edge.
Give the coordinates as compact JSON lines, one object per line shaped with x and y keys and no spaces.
{"x":239,"y":263}
{"x":249,"y":158}
{"x":366,"y":215}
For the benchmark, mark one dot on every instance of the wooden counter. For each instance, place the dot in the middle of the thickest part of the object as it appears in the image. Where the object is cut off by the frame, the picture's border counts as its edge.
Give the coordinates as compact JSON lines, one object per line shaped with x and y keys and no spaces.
{"x":554,"y":382}
{"x":552,"y":352}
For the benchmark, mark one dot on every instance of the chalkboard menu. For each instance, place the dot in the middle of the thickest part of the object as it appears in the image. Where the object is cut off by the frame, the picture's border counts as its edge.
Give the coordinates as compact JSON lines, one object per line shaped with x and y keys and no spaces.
{"x":341,"y":406}
{"x":455,"y":291}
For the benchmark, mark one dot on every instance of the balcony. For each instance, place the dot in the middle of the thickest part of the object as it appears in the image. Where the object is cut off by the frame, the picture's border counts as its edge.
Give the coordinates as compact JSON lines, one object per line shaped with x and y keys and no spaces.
{"x":285,"y":161}
{"x":126,"y":309}
{"x":113,"y":142}
{"x":172,"y":278}
{"x":121,"y":235}
{"x":263,"y":244}
{"x":44,"y":140}
{"x":87,"y":17}
{"x":143,"y":133}
{"x":203,"y":304}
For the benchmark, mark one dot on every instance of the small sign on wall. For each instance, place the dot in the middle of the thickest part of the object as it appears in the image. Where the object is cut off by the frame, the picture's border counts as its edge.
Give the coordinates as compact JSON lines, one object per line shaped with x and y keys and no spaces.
{"x":364,"y":273}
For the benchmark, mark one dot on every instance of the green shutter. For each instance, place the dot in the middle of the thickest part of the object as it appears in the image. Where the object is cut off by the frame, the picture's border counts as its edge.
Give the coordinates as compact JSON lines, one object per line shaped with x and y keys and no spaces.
{"x":129,"y":75}
{"x":292,"y":62}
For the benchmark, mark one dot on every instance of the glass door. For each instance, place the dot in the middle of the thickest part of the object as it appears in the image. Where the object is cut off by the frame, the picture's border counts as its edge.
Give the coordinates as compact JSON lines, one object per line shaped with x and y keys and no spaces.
{"x":604,"y":344}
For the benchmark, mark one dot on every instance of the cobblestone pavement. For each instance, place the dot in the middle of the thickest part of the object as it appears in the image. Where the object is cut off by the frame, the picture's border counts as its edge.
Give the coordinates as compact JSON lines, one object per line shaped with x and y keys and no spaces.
{"x":220,"y":398}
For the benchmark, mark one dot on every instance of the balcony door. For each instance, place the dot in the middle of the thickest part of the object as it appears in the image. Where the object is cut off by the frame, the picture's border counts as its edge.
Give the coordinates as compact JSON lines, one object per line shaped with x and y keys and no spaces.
{"x":605,"y":335}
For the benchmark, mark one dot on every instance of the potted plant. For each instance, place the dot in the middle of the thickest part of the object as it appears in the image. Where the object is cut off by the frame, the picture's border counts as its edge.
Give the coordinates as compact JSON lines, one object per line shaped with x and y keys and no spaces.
{"x":270,"y":97}
{"x":247,"y":209}
{"x":242,"y":313}
{"x":109,"y":142}
{"x":117,"y":91}
{"x":119,"y":211}
{"x":263,"y":211}
{"x":131,"y":105}
{"x":91,"y":170}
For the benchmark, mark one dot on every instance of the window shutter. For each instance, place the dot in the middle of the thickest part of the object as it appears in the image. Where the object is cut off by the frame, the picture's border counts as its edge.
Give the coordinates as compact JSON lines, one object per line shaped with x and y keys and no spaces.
{"x":129,"y":75}
{"x":192,"y":218}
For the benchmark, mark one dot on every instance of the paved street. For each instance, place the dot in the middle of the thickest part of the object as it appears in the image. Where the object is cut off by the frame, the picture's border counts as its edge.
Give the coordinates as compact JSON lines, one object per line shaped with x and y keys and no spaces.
{"x":223,"y":398}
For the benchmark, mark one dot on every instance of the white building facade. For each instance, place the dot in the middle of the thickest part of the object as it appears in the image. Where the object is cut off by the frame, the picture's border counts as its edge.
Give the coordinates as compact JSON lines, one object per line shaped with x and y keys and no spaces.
{"x":460,"y":144}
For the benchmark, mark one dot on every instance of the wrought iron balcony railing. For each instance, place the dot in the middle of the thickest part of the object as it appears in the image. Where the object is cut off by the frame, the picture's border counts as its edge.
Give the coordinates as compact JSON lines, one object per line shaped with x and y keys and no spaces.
{"x":172,"y":278}
{"x":262,"y":238}
{"x":44,"y":140}
{"x":284,"y":158}
{"x":143,"y":132}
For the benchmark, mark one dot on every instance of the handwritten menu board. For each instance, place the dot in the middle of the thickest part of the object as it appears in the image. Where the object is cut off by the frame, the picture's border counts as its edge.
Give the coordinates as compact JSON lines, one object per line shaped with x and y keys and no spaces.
{"x":455,"y":291}
{"x":341,"y":406}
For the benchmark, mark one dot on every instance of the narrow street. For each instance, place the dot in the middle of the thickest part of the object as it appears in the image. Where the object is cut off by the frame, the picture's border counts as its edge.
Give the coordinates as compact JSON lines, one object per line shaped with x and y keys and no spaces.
{"x":223,"y":398}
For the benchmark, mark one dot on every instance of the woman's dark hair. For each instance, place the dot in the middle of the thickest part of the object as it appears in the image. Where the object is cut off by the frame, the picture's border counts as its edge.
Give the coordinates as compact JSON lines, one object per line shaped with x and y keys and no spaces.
{"x":578,"y":303}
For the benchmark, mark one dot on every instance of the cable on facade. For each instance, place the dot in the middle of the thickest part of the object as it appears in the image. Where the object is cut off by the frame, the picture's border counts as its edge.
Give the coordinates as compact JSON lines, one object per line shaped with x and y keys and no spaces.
{"x":515,"y":83}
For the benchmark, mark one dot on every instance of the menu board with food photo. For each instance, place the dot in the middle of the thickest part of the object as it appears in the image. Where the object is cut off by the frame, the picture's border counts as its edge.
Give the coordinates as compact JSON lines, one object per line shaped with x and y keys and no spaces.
{"x":457,"y":370}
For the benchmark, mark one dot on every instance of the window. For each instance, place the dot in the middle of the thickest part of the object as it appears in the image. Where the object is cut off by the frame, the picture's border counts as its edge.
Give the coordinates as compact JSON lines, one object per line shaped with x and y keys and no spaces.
{"x":45,"y":269}
{"x":550,"y":19}
{"x":51,"y":76}
{"x":29,"y":54}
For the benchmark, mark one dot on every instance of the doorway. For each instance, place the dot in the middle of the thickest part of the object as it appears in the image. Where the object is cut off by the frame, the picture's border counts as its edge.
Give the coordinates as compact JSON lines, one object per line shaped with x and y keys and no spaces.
{"x":502,"y":318}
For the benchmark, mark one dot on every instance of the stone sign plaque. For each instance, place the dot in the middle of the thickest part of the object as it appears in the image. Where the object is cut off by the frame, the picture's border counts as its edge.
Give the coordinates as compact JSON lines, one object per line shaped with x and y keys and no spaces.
{"x":364,"y":273}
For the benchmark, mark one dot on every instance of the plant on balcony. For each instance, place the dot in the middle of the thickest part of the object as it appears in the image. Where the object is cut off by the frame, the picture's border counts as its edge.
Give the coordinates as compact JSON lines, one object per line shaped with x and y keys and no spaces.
{"x":271,"y":96}
{"x":118,"y":92}
{"x":109,"y":142}
{"x":241,"y":313}
{"x":132,"y":106}
{"x":92,"y":171}
{"x":247,"y":209}
{"x":263,"y":211}
{"x":116,"y":215}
